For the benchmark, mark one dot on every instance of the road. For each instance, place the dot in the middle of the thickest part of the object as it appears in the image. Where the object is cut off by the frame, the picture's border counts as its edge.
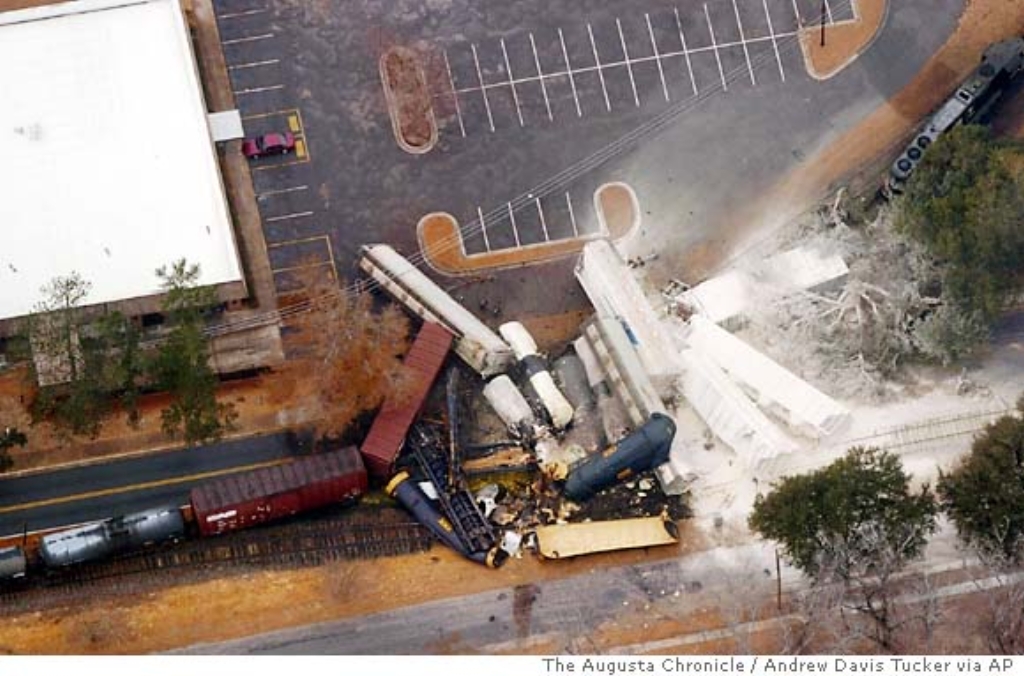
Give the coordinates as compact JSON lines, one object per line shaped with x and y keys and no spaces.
{"x":588,"y":613}
{"x":100,"y":490}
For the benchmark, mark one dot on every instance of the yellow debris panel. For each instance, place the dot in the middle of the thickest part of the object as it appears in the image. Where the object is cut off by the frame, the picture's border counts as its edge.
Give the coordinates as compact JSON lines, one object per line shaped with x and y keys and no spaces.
{"x":577,"y":539}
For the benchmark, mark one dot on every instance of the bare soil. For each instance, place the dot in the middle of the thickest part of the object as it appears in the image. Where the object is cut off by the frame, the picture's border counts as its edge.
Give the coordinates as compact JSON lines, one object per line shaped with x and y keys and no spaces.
{"x":843,"y":41}
{"x":617,"y":209}
{"x":409,"y":96}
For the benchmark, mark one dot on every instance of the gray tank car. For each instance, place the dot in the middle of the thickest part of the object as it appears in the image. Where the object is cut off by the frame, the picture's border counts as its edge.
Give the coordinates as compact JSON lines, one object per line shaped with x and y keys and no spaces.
{"x":12,"y":564}
{"x":114,"y":536}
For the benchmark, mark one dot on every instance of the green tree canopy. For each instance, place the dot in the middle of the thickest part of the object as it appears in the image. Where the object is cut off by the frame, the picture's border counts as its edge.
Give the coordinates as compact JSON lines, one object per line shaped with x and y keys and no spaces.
{"x":965,"y":203}
{"x":984,"y":493}
{"x":181,"y":366}
{"x":847,"y":519}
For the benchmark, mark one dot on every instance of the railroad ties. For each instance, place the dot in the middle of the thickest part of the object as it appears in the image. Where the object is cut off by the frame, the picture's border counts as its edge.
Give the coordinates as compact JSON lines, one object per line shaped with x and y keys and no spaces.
{"x":292,"y":545}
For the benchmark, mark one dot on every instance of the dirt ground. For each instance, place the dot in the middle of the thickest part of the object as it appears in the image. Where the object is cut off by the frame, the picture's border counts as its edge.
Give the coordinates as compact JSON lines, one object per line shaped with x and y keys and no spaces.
{"x":843,"y":42}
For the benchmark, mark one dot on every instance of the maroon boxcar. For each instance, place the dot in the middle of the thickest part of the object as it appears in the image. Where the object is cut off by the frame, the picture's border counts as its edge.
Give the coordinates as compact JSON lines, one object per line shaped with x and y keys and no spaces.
{"x":251,"y":498}
{"x":387,"y":434}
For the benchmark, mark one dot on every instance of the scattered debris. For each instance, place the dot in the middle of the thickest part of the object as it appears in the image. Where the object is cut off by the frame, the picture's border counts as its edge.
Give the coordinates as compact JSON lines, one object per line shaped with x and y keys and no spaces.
{"x":566,"y":541}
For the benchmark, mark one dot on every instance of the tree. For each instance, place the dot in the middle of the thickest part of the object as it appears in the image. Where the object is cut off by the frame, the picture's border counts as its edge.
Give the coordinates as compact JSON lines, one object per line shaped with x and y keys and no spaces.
{"x":855,"y":522}
{"x":350,"y":350}
{"x":984,"y":493}
{"x":964,"y":203}
{"x":181,"y":365}
{"x":10,"y":438}
{"x":69,"y":393}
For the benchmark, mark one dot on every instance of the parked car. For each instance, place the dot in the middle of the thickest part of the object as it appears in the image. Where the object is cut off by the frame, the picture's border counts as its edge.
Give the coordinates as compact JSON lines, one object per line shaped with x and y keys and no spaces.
{"x":265,"y":145}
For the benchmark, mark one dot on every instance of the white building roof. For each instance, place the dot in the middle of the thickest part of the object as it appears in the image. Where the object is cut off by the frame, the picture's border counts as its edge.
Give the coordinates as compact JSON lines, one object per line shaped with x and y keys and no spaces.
{"x":108,"y":168}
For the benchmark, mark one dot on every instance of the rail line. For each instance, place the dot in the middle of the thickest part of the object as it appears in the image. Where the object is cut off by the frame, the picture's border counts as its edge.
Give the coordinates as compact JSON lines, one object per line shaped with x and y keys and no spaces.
{"x":293,"y":545}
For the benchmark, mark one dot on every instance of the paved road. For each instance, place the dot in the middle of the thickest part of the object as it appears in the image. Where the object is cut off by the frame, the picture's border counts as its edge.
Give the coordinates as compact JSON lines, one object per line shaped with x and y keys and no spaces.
{"x":319,"y":62}
{"x":578,"y":614}
{"x":121,"y":478}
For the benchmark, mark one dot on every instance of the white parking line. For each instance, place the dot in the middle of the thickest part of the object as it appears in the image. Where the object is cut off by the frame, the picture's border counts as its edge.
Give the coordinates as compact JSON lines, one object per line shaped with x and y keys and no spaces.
{"x":828,"y":11}
{"x":483,"y":90}
{"x":252,"y":38}
{"x":540,"y":75}
{"x":743,"y":39}
{"x":248,"y":12}
{"x":282,"y":191}
{"x":796,"y":11}
{"x":629,"y":64}
{"x":775,"y":43}
{"x":572,"y":215}
{"x":288,"y":217}
{"x":657,"y":57}
{"x":483,"y":227}
{"x":254,"y":64}
{"x":568,"y":68}
{"x":543,"y":223}
{"x":686,"y":52}
{"x":257,"y":90}
{"x":455,"y":94}
{"x":600,"y":71}
{"x":512,"y":219}
{"x":714,"y":46}
{"x":511,"y":82}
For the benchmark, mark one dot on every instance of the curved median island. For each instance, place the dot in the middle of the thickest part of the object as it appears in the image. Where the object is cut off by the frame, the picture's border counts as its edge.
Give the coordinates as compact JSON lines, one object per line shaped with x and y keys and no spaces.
{"x":844,"y":40}
{"x":408,"y":99}
{"x":440,"y":237}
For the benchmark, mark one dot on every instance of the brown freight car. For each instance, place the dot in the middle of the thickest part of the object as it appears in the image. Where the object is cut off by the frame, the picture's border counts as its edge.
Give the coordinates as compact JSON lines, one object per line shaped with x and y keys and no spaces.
{"x":387,"y":434}
{"x":251,"y":498}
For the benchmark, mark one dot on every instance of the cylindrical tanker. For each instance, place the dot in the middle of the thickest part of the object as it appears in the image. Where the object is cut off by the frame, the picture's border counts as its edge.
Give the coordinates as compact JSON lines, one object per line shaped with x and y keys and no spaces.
{"x":412,"y":497}
{"x":535,"y":369}
{"x":510,"y":405}
{"x":12,"y":564}
{"x":640,"y":451}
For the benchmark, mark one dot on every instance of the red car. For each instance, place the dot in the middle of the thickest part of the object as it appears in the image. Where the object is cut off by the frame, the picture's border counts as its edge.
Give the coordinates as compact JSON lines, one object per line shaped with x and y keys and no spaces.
{"x":273,"y":143}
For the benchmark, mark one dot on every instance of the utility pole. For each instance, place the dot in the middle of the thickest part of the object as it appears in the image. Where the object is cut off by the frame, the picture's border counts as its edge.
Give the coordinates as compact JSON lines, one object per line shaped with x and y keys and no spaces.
{"x":824,"y":12}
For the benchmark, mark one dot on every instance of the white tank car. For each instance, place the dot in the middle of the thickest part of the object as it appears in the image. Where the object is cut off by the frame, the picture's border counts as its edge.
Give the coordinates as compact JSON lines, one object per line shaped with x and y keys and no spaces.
{"x":536,"y":369}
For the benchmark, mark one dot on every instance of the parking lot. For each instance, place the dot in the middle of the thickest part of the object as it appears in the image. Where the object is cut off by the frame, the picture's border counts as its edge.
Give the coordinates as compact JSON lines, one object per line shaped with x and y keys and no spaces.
{"x":538,"y":104}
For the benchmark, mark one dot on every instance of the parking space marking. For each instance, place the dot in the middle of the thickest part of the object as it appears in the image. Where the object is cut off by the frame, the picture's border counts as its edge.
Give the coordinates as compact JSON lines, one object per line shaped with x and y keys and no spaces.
{"x":254,"y":64}
{"x":483,"y":89}
{"x":293,"y":123}
{"x":455,"y":94}
{"x":248,"y":12}
{"x":828,"y":11}
{"x":629,"y":63}
{"x":293,"y":268}
{"x":775,"y":42}
{"x":483,"y":227}
{"x":512,"y":219}
{"x":543,"y":223}
{"x":686,"y":52}
{"x":272,"y":113}
{"x":600,"y":71}
{"x":281,"y":191}
{"x":572,"y":78}
{"x":796,"y":12}
{"x":540,"y":74}
{"x":257,"y":90}
{"x":251,"y":38}
{"x":657,"y":56}
{"x":572,"y":215}
{"x":743,"y":39}
{"x":714,"y":46}
{"x":511,"y":82}
{"x":288,"y":217}
{"x":300,"y":149}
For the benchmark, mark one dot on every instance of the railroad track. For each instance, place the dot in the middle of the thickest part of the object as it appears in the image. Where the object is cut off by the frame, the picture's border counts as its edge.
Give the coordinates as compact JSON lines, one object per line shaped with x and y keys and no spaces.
{"x":303,"y":543}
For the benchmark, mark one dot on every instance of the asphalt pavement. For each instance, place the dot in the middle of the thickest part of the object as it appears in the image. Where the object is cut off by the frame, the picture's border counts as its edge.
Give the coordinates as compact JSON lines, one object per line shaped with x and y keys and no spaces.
{"x":700,"y":106}
{"x":48,"y":500}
